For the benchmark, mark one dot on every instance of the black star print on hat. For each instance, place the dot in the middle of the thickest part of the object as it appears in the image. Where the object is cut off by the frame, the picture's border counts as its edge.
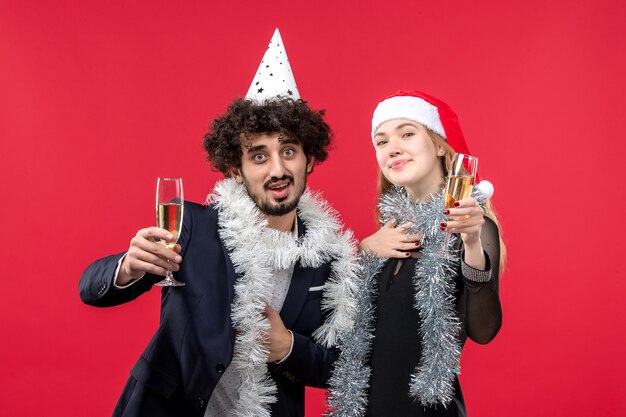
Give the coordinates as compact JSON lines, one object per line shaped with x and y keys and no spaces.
{"x":274,"y":76}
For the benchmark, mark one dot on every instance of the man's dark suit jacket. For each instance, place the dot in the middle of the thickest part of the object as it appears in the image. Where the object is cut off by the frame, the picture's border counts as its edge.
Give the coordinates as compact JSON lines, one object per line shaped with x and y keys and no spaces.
{"x":193,"y":345}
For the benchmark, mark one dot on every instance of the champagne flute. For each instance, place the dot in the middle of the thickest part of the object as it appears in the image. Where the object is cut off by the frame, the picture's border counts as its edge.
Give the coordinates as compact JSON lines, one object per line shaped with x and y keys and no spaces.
{"x":459,"y":185}
{"x":169,"y":214}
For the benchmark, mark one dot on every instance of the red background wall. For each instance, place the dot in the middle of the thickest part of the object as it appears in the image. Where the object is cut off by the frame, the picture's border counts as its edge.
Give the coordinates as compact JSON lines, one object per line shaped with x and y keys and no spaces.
{"x":97,"y":99}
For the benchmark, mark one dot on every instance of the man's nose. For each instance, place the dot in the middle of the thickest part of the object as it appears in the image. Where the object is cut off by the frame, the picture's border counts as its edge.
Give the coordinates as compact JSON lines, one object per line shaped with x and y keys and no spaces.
{"x":277,"y":168}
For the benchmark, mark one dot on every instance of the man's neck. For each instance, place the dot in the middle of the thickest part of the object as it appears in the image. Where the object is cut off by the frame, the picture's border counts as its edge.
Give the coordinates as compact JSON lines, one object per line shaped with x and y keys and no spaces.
{"x":283,"y":223}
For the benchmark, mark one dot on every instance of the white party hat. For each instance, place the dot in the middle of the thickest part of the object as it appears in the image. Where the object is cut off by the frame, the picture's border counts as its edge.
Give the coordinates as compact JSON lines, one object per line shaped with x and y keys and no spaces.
{"x":274,"y":76}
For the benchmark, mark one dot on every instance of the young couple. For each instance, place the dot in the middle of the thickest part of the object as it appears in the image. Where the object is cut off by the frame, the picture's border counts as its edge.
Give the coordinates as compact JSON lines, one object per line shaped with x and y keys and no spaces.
{"x":274,"y":299}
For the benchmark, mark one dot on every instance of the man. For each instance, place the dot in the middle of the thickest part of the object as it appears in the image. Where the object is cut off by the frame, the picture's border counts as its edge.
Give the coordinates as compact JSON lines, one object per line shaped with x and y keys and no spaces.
{"x":247,"y":332}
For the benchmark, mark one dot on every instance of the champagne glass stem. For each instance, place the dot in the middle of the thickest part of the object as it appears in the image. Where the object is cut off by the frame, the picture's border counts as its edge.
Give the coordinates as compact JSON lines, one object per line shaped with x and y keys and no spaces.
{"x":169,"y":280}
{"x":169,"y":277}
{"x":446,"y":241}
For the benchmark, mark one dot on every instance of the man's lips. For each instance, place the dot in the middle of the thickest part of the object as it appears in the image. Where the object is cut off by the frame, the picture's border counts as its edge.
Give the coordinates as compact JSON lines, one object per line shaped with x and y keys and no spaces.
{"x":278,"y":185}
{"x":399,"y":163}
{"x":279,"y":189}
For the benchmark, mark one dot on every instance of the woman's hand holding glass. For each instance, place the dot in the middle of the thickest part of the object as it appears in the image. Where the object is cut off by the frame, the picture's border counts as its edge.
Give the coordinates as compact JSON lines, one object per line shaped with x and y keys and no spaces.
{"x":467,"y":219}
{"x":468,"y":222}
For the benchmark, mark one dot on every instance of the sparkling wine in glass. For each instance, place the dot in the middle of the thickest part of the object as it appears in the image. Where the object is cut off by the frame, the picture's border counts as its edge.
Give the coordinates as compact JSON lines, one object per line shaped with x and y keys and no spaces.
{"x":169,"y":214}
{"x":459,"y":185}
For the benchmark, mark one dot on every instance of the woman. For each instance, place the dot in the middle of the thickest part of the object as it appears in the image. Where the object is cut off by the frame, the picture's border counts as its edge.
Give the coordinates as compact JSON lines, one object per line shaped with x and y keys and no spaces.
{"x":417,"y":307}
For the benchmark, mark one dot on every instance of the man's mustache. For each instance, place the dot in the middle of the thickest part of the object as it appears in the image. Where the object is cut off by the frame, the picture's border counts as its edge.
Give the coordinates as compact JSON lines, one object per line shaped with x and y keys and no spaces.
{"x":274,"y":180}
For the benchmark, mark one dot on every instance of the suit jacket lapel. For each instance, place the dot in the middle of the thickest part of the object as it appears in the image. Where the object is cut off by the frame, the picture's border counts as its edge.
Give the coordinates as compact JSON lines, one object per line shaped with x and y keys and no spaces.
{"x":231,"y":275}
{"x":299,"y":287}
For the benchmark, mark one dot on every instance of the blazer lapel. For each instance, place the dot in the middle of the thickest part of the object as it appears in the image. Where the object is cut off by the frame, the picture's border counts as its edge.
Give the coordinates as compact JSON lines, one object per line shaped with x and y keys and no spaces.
{"x":298,"y":289}
{"x":231,"y":274}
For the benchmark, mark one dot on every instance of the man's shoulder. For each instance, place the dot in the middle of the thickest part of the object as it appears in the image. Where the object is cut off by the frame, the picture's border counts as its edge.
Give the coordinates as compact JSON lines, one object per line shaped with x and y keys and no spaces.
{"x":200,"y":212}
{"x":204,"y":207}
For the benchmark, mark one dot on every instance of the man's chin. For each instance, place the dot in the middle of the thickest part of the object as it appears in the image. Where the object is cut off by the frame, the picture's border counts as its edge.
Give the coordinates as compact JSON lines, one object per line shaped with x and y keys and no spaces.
{"x":278,"y":208}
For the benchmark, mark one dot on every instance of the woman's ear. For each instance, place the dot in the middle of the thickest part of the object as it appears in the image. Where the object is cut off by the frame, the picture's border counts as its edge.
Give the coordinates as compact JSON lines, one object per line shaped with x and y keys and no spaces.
{"x":440,"y":150}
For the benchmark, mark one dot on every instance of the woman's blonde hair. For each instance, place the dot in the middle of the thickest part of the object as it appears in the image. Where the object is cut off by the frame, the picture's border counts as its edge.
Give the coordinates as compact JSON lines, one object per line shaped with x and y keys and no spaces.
{"x":384,"y":186}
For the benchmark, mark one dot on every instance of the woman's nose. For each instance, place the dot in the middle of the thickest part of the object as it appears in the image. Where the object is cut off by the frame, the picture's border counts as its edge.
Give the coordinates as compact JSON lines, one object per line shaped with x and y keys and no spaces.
{"x":393,"y":148}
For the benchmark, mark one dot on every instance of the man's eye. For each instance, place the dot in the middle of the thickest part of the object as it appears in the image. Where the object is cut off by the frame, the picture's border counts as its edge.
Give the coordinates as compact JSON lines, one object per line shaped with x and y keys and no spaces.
{"x":289,"y":152}
{"x":258,"y":157}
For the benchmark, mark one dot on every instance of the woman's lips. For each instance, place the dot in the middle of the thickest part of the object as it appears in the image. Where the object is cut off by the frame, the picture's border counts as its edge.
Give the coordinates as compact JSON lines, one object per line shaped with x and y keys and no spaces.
{"x":397,"y":164}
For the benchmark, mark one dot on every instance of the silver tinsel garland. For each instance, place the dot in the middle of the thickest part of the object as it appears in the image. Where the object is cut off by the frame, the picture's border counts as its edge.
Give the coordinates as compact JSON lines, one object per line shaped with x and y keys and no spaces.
{"x":256,"y":251}
{"x":433,"y":379}
{"x":348,"y":385}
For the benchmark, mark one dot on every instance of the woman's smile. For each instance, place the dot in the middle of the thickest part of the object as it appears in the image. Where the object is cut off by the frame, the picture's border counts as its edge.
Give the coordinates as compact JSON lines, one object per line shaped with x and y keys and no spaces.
{"x":399,"y":163}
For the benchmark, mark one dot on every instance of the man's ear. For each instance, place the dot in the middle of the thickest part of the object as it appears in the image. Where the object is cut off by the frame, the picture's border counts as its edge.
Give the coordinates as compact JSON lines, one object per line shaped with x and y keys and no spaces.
{"x":236,"y":174}
{"x":309,"y":165}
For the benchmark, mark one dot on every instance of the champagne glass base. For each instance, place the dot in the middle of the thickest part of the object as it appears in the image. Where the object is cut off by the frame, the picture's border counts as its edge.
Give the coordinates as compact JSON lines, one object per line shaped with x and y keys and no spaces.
{"x":450,"y":256}
{"x":169,"y":281}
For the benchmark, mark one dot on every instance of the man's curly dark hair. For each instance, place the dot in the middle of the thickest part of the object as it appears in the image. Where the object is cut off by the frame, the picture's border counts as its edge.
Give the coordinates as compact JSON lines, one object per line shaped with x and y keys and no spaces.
{"x":288,"y":117}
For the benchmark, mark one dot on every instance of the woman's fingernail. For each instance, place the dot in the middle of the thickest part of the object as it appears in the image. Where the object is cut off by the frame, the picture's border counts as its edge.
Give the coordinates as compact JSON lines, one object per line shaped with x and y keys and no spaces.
{"x":407,"y":254}
{"x":446,"y":212}
{"x":456,"y":204}
{"x":443,"y":225}
{"x":417,"y":244}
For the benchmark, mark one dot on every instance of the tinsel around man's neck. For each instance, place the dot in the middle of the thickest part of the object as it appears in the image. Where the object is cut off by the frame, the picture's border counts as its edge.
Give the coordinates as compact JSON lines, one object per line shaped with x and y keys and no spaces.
{"x":256,"y":251}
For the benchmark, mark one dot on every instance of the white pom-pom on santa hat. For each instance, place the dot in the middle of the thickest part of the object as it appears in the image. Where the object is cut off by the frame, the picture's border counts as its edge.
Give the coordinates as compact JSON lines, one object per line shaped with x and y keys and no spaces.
{"x":485,"y":188}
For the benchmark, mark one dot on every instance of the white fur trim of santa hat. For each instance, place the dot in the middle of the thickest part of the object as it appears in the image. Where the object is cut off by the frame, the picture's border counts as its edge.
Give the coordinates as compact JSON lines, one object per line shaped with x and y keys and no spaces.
{"x":410,"y":108}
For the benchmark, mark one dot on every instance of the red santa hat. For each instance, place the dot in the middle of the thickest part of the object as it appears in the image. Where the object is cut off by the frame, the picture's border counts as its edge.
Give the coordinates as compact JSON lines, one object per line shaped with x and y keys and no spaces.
{"x":429,"y":111}
{"x":424,"y":109}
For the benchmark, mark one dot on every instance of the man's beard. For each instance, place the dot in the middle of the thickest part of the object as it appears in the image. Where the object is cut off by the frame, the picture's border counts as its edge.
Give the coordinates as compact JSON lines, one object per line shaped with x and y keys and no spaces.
{"x":279,"y":208}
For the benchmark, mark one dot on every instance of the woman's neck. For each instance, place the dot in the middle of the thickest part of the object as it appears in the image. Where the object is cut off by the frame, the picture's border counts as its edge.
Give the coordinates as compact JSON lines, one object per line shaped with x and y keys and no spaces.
{"x":427,"y":186}
{"x":421,"y":194}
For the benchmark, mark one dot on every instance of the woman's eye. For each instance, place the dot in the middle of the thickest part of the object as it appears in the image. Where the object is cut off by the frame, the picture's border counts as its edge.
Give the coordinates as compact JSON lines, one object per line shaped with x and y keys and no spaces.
{"x":408,"y":134}
{"x":381,"y":142}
